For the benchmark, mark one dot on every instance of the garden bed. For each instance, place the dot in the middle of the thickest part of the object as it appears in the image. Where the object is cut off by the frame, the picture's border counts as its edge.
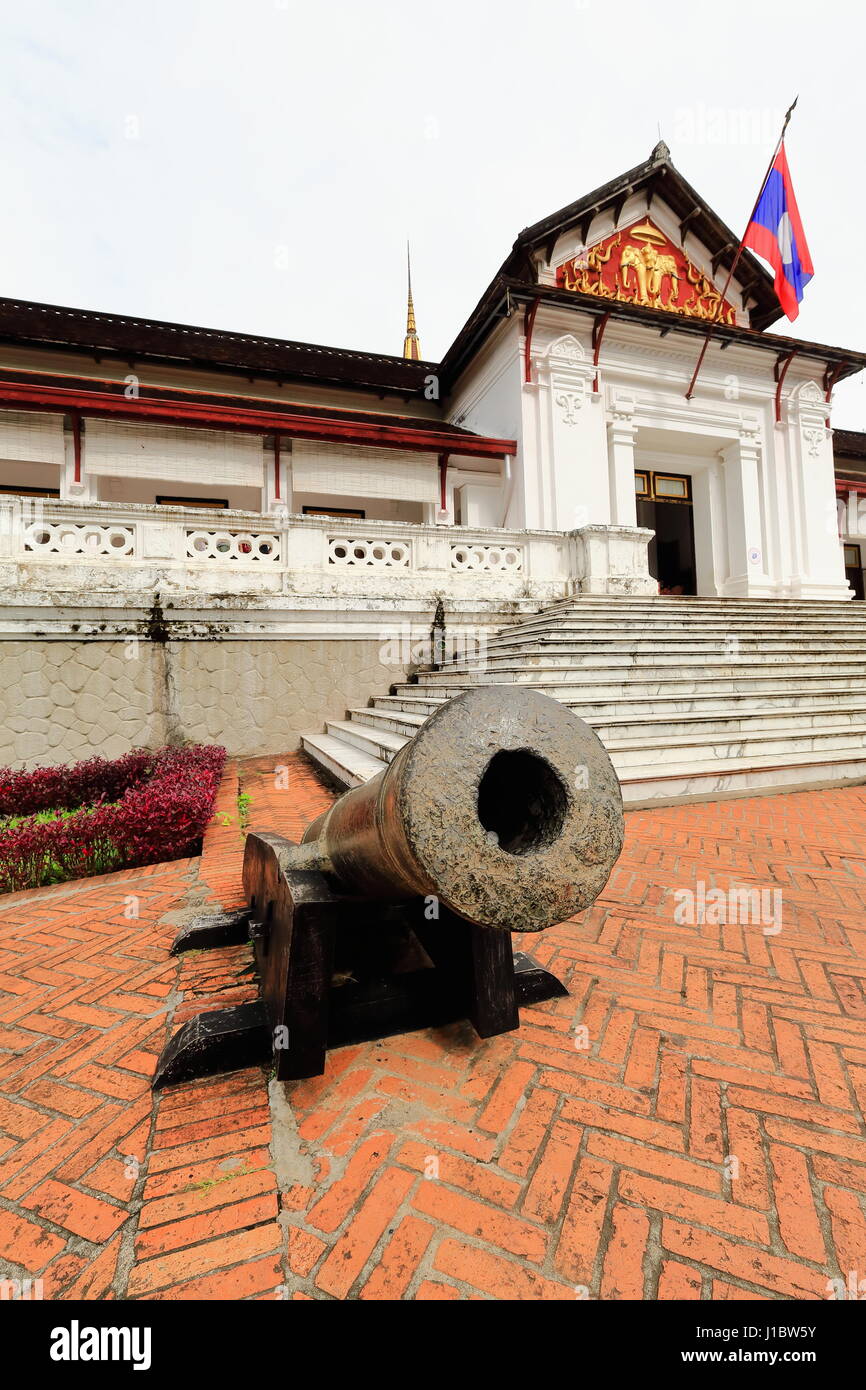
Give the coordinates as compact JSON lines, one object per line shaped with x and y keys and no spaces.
{"x":59,"y":823}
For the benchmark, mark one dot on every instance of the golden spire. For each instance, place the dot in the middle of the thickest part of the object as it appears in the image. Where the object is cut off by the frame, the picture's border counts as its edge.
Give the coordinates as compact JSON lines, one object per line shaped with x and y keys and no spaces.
{"x":411,"y":343}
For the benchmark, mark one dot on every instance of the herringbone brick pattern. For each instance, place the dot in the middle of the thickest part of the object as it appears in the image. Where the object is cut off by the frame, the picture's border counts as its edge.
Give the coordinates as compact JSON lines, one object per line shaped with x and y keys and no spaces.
{"x":106,"y":1191}
{"x":686,"y":1124}
{"x":85,"y":996}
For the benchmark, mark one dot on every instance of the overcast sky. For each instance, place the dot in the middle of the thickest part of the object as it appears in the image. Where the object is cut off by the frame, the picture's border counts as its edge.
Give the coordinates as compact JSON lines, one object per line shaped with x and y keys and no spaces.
{"x":257,"y":165}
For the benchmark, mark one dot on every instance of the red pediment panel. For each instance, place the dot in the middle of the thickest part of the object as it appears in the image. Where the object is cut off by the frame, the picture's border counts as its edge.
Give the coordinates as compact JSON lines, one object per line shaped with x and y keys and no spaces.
{"x":640,"y":265}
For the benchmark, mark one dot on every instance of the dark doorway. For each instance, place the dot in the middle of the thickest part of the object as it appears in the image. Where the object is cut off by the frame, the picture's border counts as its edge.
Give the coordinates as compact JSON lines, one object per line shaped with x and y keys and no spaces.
{"x":854,"y":569}
{"x":664,"y":505}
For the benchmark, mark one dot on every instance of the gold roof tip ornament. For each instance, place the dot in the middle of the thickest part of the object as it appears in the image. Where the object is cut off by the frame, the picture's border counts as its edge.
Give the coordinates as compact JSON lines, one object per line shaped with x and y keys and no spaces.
{"x":411,"y":343}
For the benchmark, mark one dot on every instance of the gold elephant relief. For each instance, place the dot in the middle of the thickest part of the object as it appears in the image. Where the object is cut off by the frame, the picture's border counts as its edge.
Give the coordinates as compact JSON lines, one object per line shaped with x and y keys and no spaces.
{"x":650,"y":269}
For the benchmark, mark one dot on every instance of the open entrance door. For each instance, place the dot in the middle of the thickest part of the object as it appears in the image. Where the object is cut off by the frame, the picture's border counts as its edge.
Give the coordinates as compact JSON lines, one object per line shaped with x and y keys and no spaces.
{"x":854,"y":568}
{"x":664,"y":505}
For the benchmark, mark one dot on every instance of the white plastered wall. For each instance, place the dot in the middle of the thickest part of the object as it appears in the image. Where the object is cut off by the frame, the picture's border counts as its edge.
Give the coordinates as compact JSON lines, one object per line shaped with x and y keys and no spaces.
{"x":487,"y":400}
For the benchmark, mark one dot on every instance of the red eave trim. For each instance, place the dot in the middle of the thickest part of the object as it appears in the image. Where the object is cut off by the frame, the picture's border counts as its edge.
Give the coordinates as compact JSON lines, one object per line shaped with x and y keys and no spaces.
{"x":846,"y":485}
{"x":101,"y":405}
{"x":528,"y":322}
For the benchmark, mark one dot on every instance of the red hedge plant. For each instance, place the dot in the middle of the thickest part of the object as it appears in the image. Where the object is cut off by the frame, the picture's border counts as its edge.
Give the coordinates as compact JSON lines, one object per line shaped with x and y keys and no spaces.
{"x":143,"y":808}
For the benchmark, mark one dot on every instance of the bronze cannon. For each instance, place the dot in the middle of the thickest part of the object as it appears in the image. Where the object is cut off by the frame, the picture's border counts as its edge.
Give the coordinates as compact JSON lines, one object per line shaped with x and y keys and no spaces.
{"x":503,"y":814}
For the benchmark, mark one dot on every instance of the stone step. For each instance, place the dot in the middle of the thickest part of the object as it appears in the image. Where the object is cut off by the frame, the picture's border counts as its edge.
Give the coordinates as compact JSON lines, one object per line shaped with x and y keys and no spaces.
{"x":677,"y":613}
{"x":691,"y":747}
{"x":642,"y":684}
{"x":672,"y":607}
{"x":556,"y":650}
{"x":683,"y":715}
{"x":648,"y":747}
{"x":663,"y":631}
{"x":628,"y":703}
{"x":629,"y":724}
{"x":712,"y":611}
{"x":379,"y":742}
{"x":674,"y":781}
{"x":683,"y":782}
{"x":348,"y":765}
{"x":661,"y":603}
{"x":573,"y":666}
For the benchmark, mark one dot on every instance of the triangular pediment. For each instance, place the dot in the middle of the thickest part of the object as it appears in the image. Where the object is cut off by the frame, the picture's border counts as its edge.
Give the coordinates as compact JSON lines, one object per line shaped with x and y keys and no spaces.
{"x":639,"y":264}
{"x":681,"y":226}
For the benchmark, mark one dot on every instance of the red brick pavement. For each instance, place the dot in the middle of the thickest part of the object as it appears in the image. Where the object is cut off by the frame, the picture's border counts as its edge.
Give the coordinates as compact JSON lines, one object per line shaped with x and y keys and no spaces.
{"x":687,"y":1124}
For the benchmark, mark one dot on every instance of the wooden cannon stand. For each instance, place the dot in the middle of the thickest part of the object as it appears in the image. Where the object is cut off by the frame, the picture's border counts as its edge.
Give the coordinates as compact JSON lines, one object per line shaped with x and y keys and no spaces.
{"x":335,"y":970}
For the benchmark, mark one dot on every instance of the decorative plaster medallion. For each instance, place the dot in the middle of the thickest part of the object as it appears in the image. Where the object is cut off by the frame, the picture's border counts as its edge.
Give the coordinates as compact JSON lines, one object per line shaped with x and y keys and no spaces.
{"x":811,"y":393}
{"x":567,"y":347}
{"x":814,"y":438}
{"x":570,"y":402}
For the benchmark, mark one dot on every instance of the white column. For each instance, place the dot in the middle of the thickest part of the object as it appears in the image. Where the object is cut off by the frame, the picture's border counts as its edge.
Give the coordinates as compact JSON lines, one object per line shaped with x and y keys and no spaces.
{"x":745,"y":521}
{"x":821,"y":560}
{"x":620,"y":448}
{"x":570,"y":445}
{"x":705,"y":526}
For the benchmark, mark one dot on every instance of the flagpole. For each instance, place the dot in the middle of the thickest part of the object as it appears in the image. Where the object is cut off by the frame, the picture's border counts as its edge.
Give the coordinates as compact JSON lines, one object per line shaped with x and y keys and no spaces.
{"x":736,"y":259}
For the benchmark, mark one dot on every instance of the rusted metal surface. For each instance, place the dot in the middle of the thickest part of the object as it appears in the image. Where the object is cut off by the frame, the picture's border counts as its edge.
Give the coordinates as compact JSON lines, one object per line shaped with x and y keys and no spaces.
{"x":504,"y":806}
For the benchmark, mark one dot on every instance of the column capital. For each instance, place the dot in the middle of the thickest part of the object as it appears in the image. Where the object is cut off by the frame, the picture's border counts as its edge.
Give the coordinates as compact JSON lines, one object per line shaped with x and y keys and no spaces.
{"x":621,"y":428}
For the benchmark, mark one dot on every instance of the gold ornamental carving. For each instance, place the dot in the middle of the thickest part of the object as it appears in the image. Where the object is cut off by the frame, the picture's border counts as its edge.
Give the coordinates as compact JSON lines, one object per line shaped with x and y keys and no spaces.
{"x":640,"y":265}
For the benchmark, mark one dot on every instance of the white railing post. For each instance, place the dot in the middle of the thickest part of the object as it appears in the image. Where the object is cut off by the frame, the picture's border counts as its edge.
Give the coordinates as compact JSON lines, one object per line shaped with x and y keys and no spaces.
{"x":306,"y":547}
{"x":433,"y":550}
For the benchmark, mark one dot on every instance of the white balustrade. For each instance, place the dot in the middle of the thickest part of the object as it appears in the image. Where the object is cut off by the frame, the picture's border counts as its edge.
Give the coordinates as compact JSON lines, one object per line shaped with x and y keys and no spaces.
{"x":378,"y":553}
{"x":230,"y":545}
{"x":204,"y":548}
{"x":506,"y":559}
{"x":69,"y":538}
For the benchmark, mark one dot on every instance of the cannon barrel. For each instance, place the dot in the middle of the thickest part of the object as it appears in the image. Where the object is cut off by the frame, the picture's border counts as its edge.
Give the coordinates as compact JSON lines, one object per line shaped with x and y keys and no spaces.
{"x":504,"y":806}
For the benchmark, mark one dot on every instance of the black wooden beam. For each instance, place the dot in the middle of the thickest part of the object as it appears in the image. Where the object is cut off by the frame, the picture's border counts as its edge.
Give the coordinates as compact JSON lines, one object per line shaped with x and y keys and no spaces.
{"x":619,"y":204}
{"x":684,"y":224}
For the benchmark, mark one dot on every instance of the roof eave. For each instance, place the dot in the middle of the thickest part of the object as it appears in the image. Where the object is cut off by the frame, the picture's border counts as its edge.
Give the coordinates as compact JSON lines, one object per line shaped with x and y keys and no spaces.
{"x":127,"y":342}
{"x":664,"y":320}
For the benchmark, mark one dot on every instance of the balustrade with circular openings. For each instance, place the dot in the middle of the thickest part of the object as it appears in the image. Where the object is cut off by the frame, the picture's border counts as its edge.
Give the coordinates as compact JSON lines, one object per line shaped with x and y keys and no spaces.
{"x":79,"y":538}
{"x":374,"y":554}
{"x":243,"y":546}
{"x":487,"y":558}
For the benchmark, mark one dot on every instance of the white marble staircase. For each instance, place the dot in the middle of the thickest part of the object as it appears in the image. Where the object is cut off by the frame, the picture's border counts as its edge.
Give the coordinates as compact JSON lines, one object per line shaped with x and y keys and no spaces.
{"x":693,"y":698}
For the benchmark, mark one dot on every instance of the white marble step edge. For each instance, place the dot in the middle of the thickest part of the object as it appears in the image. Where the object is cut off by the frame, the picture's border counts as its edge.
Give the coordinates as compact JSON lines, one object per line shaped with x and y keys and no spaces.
{"x":634,"y":753}
{"x":721,"y":703}
{"x":817,"y":717}
{"x":740,"y":777}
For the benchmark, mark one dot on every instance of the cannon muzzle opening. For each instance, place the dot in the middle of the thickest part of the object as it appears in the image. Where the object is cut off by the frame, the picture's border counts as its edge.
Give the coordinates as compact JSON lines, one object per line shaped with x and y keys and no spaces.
{"x":522,"y":803}
{"x":505,"y":806}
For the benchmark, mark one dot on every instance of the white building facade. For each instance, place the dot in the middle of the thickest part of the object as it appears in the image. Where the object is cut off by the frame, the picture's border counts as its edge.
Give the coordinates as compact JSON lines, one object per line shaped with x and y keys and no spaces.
{"x":736,"y":479}
{"x":184,"y":485}
{"x":561,"y":408}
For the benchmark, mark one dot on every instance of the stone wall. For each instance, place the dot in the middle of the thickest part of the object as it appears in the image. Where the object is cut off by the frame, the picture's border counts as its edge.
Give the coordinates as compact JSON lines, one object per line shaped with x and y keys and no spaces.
{"x":63,"y":700}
